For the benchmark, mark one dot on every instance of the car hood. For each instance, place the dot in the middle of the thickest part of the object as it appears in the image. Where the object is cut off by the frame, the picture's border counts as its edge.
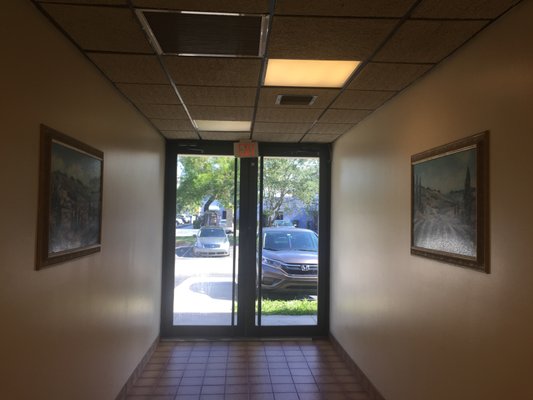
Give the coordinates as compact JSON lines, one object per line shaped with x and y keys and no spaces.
{"x":292,"y":256}
{"x":211,"y":240}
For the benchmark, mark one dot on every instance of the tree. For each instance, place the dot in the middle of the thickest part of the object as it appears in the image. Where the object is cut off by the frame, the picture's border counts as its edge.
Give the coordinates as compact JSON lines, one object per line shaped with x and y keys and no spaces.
{"x":202,"y":180}
{"x":288,"y":179}
{"x":288,"y":183}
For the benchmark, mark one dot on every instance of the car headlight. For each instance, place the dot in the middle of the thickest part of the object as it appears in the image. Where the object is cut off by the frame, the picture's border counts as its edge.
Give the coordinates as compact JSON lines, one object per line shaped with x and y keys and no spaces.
{"x":272,"y":263}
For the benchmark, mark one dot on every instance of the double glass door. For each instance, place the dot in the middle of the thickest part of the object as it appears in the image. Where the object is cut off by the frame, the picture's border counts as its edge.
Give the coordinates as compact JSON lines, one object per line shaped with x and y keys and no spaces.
{"x":245,"y":242}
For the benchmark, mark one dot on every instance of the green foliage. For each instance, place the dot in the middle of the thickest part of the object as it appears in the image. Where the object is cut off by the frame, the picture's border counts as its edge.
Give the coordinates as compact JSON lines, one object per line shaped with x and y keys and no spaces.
{"x":288,"y":307}
{"x":211,"y":178}
{"x":185,"y":241}
{"x":201,"y":178}
{"x":286,"y":178}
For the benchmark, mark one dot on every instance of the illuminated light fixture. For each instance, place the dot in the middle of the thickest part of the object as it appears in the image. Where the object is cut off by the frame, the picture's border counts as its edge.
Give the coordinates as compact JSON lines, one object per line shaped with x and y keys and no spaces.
{"x":223,"y":126}
{"x":309,"y":73}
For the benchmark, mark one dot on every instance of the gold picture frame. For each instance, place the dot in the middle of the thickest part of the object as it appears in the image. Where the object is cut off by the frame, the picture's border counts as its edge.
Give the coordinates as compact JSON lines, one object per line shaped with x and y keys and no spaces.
{"x":70,"y":199}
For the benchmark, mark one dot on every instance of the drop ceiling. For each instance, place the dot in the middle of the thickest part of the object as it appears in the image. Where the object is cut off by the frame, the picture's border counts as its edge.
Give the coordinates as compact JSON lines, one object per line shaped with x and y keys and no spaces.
{"x":210,"y":61}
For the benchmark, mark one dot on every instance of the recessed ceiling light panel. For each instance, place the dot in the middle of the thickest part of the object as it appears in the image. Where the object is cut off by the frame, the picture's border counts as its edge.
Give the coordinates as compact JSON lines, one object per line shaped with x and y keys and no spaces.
{"x":309,"y":73}
{"x":223,"y":126}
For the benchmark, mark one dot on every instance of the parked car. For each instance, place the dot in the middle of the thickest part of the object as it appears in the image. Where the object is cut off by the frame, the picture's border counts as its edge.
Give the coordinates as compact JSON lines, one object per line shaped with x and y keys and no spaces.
{"x":211,"y":241}
{"x":281,"y":223}
{"x":227,"y":225}
{"x":290,"y":261}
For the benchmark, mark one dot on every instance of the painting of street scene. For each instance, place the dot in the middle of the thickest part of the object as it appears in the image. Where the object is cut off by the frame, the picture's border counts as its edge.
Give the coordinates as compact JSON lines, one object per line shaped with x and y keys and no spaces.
{"x":75,"y":199}
{"x":445,"y":203}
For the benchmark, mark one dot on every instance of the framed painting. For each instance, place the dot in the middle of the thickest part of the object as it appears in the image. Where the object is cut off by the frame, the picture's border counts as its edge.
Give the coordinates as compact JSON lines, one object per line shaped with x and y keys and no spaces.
{"x":70,"y":199}
{"x":449,"y":203}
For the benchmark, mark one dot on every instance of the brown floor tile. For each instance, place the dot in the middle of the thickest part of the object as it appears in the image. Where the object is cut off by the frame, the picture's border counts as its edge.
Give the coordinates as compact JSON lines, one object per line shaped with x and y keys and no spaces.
{"x":191,"y":381}
{"x":303,"y":379}
{"x":236,"y":396}
{"x":237,"y":389}
{"x":284,"y":388}
{"x":213,"y":389}
{"x":146,"y":381}
{"x":214,"y":380}
{"x":165,"y":390}
{"x":254,"y":370}
{"x":236,"y":380}
{"x":279,"y":371}
{"x":261,"y":388}
{"x":275,"y":379}
{"x":310,"y":396}
{"x":189,"y":390}
{"x":261,"y":396}
{"x":286,"y":396}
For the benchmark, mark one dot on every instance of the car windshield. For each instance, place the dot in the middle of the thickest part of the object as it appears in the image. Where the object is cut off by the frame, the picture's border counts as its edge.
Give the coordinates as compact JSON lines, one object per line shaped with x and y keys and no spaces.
{"x":282,"y":223}
{"x":212,"y":232}
{"x":303,"y":241}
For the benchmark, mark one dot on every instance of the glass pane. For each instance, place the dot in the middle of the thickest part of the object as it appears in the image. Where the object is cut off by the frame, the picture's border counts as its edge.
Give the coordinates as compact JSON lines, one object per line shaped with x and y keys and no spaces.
{"x":205,"y":277}
{"x":289,"y":258}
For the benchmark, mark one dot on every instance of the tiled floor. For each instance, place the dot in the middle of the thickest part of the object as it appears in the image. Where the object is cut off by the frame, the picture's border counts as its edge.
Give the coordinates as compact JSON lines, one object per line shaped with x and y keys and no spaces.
{"x":246,"y":370}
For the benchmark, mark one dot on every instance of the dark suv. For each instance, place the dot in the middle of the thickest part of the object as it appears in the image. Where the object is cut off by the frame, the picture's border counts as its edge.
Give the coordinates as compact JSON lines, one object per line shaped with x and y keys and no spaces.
{"x":290,"y":261}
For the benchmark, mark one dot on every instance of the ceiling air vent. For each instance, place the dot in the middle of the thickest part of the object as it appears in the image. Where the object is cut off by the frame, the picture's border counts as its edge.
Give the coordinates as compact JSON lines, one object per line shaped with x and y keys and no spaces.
{"x":205,"y":34}
{"x":295,"y":100}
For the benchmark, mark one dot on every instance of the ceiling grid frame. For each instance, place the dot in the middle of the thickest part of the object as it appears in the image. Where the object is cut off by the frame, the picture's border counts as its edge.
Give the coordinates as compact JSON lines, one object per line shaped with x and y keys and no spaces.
{"x":420,"y":37}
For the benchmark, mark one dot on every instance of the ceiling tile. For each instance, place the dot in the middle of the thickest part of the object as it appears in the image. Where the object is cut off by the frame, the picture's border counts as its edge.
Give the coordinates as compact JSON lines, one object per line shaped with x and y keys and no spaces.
{"x":180,"y":134}
{"x":344,"y":116}
{"x":207,"y":71}
{"x":268,"y":96}
{"x":462,"y":9}
{"x":362,"y":99}
{"x":222,"y":88}
{"x":217,"y":96}
{"x":388,"y":76}
{"x":225,"y":135}
{"x":99,"y":2}
{"x":343,"y":8}
{"x":274,"y":127}
{"x":165,"y":111}
{"x":149,"y":94}
{"x":286,"y":114}
{"x":172,"y":124}
{"x":101,"y":28}
{"x":221,"y":113}
{"x":427,"y":41}
{"x":327,"y":38}
{"x":331,"y":129}
{"x":129,"y":68}
{"x":319,"y":138}
{"x":241,"y":6}
{"x":277,"y":137}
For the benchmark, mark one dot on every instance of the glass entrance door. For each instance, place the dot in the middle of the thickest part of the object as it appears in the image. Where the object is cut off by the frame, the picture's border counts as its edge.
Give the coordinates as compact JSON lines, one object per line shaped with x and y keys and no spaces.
{"x":206,"y":241}
{"x":288,"y":251}
{"x":243,"y":252}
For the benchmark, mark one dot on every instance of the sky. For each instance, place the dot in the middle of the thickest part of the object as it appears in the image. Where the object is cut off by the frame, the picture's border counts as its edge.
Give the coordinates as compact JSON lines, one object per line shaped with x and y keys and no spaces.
{"x":448,"y":172}
{"x":75,"y":164}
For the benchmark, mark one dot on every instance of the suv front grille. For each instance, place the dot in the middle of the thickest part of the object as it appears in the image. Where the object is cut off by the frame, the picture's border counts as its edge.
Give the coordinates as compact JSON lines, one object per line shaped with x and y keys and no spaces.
{"x":301,"y":269}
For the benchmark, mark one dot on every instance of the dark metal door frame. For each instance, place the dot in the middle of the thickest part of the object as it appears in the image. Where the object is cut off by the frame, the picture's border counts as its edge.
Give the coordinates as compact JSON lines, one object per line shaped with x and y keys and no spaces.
{"x":247,"y":241}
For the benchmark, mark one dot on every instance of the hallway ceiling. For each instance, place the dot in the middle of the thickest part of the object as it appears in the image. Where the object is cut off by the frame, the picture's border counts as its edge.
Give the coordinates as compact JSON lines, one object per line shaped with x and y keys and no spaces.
{"x":395,"y":41}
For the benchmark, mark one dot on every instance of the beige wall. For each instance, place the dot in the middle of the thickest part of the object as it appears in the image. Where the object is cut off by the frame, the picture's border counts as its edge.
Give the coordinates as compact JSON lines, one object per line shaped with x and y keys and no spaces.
{"x":420,"y":329}
{"x":75,"y":330}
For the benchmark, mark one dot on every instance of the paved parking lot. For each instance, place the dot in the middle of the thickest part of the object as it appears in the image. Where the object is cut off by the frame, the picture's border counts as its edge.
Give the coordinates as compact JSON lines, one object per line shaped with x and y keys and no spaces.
{"x":203,"y":292}
{"x":203,"y":288}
